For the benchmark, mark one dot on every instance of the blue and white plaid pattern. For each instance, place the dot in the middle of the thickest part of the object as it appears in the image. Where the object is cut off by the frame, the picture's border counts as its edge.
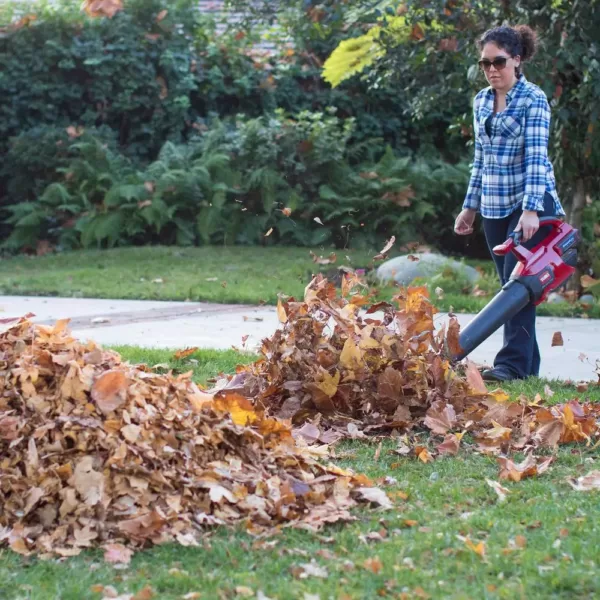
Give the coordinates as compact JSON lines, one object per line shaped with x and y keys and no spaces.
{"x":512,"y":169}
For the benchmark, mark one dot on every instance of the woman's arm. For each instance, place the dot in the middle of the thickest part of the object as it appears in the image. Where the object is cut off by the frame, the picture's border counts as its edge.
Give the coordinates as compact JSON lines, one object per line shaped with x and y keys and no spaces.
{"x":473,"y":197}
{"x":537,"y":131}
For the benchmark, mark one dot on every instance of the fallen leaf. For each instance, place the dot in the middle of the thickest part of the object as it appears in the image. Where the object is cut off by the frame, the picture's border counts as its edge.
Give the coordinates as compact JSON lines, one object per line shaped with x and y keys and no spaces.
{"x":117,"y":553}
{"x":585,"y":483}
{"x":311,"y":569}
{"x":161,"y":15}
{"x":474,"y":379}
{"x":109,"y":391}
{"x":146,"y":593}
{"x":320,"y":260}
{"x":557,"y":339}
{"x":286,"y":211}
{"x":318,"y":220}
{"x":450,"y":445}
{"x":243,"y":591}
{"x":376,"y":496}
{"x":500,"y":490}
{"x":373,"y":564}
{"x":269,"y":232}
{"x":181,"y":354}
{"x":530,"y":467}
{"x":478,"y":548}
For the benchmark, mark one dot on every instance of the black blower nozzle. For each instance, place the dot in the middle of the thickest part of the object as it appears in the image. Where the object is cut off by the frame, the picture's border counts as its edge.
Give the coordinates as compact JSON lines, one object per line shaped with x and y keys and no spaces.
{"x":513,"y":297}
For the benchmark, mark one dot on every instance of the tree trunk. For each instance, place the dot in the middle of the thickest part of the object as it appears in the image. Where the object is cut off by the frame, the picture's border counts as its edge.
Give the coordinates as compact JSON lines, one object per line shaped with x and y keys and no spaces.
{"x":578,"y":204}
{"x":576,"y":220}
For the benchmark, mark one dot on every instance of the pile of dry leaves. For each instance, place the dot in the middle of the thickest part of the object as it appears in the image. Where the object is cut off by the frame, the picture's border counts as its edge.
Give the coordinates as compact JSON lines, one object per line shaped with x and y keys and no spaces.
{"x":96,"y":452}
{"x":337,"y":370}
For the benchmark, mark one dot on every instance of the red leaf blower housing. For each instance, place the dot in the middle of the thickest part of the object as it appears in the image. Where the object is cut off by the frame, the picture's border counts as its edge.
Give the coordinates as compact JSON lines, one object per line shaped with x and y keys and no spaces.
{"x":539,"y":271}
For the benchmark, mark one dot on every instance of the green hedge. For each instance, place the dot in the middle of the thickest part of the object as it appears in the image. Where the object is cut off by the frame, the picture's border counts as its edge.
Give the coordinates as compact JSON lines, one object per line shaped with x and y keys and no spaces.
{"x":271,"y":179}
{"x":146,"y":128}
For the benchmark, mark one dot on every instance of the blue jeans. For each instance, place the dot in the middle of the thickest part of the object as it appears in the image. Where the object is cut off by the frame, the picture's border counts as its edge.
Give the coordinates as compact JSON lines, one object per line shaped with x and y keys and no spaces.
{"x":520,"y":354}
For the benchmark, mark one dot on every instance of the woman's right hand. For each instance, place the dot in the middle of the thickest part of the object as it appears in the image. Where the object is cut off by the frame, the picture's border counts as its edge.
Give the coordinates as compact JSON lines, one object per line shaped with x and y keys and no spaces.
{"x":464,"y":222}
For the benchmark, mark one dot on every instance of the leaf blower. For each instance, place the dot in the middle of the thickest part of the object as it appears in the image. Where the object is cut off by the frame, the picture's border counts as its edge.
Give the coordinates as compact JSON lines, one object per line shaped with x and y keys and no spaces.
{"x":538,"y":272}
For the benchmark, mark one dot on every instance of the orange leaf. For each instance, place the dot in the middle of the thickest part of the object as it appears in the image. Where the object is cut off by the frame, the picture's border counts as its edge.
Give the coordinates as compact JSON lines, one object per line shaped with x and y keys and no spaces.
{"x":588,"y":282}
{"x":478,"y":548}
{"x":102,"y":8}
{"x":557,"y":339}
{"x":161,"y":15}
{"x":239,"y":407}
{"x":281,"y":312}
{"x":109,"y":391}
{"x":181,"y":354}
{"x":373,"y":564}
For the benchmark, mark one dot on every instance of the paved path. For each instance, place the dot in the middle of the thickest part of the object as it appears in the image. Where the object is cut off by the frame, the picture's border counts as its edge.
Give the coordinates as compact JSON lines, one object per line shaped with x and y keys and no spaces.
{"x":182,"y":324}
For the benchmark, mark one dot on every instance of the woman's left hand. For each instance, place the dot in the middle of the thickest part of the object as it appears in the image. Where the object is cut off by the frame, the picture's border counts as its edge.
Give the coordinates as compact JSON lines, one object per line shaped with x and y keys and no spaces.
{"x":529,"y":223}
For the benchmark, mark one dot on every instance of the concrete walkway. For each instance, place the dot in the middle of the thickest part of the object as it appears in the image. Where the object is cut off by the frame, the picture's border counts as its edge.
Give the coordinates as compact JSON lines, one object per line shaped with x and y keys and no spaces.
{"x":178,"y":325}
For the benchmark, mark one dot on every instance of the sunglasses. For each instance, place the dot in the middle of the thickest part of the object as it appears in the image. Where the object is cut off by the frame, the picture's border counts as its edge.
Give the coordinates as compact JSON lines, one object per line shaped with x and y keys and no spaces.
{"x":498,"y":63}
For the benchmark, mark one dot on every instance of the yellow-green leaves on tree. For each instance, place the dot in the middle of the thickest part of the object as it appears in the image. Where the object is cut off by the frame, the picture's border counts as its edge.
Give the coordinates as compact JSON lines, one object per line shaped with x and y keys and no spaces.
{"x":352,"y":56}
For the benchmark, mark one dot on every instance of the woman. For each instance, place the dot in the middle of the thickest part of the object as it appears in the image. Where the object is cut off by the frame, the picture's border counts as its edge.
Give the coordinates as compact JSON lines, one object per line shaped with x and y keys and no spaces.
{"x":512,"y":180}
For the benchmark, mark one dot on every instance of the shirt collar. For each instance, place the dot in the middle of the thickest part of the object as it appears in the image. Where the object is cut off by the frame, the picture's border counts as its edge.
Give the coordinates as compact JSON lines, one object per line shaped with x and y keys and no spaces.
{"x":514,"y":90}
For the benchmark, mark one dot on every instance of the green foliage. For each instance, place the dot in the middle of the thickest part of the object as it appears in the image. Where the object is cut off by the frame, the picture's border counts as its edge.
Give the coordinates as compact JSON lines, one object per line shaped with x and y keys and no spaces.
{"x":232,"y":184}
{"x":129,"y":73}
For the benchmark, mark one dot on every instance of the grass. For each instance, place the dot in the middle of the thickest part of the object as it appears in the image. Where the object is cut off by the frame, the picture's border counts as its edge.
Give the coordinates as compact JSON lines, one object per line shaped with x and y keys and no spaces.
{"x":540,"y":543}
{"x":237,"y":275}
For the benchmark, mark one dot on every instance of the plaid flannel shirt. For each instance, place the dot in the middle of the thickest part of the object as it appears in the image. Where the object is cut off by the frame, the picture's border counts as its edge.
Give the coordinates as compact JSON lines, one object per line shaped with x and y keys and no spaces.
{"x":512,"y":169}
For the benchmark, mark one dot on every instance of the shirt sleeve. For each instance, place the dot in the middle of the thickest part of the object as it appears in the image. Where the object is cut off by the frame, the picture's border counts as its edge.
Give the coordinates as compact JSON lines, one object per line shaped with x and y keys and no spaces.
{"x":473,"y":197}
{"x":537,"y":130}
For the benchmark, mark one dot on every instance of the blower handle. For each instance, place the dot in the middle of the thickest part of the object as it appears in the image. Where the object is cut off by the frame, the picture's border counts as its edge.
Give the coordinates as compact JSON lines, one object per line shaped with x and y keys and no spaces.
{"x":514,"y":239}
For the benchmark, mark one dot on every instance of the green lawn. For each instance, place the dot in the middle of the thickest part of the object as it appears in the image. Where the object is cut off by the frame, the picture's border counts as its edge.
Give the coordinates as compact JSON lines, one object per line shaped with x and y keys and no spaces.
{"x":225,"y":274}
{"x":540,"y":543}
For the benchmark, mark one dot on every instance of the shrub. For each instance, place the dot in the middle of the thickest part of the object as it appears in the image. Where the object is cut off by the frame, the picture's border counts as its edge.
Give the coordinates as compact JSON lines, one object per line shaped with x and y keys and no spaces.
{"x":264,"y":180}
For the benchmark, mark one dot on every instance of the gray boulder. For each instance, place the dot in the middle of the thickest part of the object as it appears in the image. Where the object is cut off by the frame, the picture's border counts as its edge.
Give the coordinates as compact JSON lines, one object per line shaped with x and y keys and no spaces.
{"x":555,"y":298}
{"x":404,"y":270}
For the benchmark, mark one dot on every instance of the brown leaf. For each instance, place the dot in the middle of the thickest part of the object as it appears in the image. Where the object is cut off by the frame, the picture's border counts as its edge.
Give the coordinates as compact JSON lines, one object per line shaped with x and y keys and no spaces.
{"x":388,"y":246}
{"x":164,"y":90}
{"x":588,"y":282}
{"x":452,"y":337}
{"x":475,"y":379}
{"x":369,"y":175}
{"x":373,"y":564}
{"x":88,"y":482}
{"x":320,"y":260}
{"x":161,"y":15}
{"x":557,"y":339}
{"x":499,"y":489}
{"x":102,"y":8}
{"x":375,"y":496}
{"x":117,"y":553}
{"x":530,"y":467}
{"x":450,"y":445}
{"x":585,"y":483}
{"x":440,"y":418}
{"x":109,"y":391}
